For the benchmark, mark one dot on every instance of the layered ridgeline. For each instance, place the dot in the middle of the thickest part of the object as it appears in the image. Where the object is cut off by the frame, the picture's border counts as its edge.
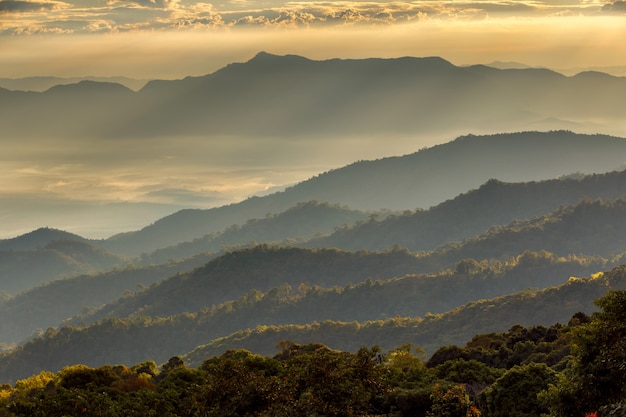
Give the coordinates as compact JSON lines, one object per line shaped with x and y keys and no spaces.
{"x":246,"y":288}
{"x":22,"y":269}
{"x":493,"y":204}
{"x":291,"y":96}
{"x":591,"y":228}
{"x":45,"y":255}
{"x":416,"y":181}
{"x":142,"y":338}
{"x":404,"y":182}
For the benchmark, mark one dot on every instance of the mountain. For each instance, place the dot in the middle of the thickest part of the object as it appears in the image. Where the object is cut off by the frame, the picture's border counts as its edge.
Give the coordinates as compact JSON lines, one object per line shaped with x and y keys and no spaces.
{"x":21,"y":269}
{"x":590,"y":228}
{"x":263,"y":267}
{"x":142,"y":338}
{"x":37,"y":239}
{"x":296,"y":224}
{"x":508,"y":65}
{"x":41,"y":84}
{"x":418,"y":180}
{"x":494,"y":203}
{"x":48,"y":305}
{"x":552,"y":305}
{"x":290,"y":96}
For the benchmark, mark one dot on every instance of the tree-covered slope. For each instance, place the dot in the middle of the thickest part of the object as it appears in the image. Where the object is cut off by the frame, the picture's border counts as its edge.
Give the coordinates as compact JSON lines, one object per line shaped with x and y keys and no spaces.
{"x":140,"y":338}
{"x":24,"y":269}
{"x":591,"y":227}
{"x":262,"y":267}
{"x":471,"y":213}
{"x":48,"y":305}
{"x":419,"y":180}
{"x":556,"y":304}
{"x":298,"y":223}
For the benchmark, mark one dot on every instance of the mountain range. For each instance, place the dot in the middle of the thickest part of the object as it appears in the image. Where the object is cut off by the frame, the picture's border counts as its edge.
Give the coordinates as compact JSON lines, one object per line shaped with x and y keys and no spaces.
{"x":470,"y":236}
{"x":418,"y":180}
{"x":288,"y":96}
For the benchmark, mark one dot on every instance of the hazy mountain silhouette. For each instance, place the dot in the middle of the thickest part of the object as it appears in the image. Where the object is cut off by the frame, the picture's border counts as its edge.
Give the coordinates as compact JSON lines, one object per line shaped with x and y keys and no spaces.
{"x":50,"y":304}
{"x":494,"y":203}
{"x":37,"y":239}
{"x":418,"y":180}
{"x":292,"y":96}
{"x":41,"y":84}
{"x":21,"y":269}
{"x":590,"y":228}
{"x":296,"y":224}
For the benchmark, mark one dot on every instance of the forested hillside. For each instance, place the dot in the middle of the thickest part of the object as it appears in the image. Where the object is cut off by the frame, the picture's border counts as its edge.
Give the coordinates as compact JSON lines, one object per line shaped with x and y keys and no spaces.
{"x":21,"y":269}
{"x":262,"y":268}
{"x":591,"y":227}
{"x":469,"y":214}
{"x":415,"y":181}
{"x":555,"y":304}
{"x":48,"y":305}
{"x":507,"y":270}
{"x":296,"y":224}
{"x":142,"y":338}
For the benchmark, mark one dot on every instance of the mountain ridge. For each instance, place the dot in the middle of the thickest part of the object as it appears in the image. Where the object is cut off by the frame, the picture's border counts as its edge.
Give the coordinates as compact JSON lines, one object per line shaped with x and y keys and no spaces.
{"x":373,"y":95}
{"x":418,"y":180}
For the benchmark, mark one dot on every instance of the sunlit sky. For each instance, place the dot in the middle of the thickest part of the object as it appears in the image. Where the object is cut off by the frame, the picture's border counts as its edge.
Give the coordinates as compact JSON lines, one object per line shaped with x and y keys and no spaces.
{"x":170,"y":39}
{"x":176,"y":38}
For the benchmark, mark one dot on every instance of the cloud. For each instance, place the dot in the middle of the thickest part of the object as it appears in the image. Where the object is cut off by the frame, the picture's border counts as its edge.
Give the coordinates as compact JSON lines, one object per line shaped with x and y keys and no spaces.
{"x":17,"y":6}
{"x":157,"y":4}
{"x":617,"y":7}
{"x":184,"y":197}
{"x":160,"y":15}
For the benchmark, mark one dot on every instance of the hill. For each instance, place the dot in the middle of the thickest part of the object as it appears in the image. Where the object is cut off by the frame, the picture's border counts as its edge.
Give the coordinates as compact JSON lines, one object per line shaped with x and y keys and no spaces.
{"x":41,"y":84}
{"x":556,"y":304}
{"x":27,"y":268}
{"x":48,"y":305}
{"x":296,"y":224}
{"x":590,"y":228}
{"x":142,"y":338}
{"x":418,"y":180}
{"x":263,"y":267}
{"x":37,"y":239}
{"x":290,"y":96}
{"x":494,"y":203}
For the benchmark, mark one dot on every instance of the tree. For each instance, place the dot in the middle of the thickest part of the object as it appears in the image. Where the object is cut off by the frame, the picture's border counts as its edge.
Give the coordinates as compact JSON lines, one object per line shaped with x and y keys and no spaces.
{"x":453,"y":402}
{"x":515,"y":393}
{"x":598,"y":375}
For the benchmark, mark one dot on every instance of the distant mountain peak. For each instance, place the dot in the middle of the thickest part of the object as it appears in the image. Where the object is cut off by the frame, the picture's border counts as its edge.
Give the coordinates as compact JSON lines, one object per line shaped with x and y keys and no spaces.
{"x":38,"y":238}
{"x":268,"y":58}
{"x":89,"y":86}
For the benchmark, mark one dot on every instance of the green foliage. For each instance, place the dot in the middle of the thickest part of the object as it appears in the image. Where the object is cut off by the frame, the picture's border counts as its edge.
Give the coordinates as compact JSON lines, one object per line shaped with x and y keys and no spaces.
{"x":597,"y":376}
{"x":453,"y":402}
{"x":514,"y":394}
{"x":134,"y":340}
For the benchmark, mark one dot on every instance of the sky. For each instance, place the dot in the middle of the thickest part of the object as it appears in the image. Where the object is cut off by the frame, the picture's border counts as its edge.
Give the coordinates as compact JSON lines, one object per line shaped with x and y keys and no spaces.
{"x":97,"y":191}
